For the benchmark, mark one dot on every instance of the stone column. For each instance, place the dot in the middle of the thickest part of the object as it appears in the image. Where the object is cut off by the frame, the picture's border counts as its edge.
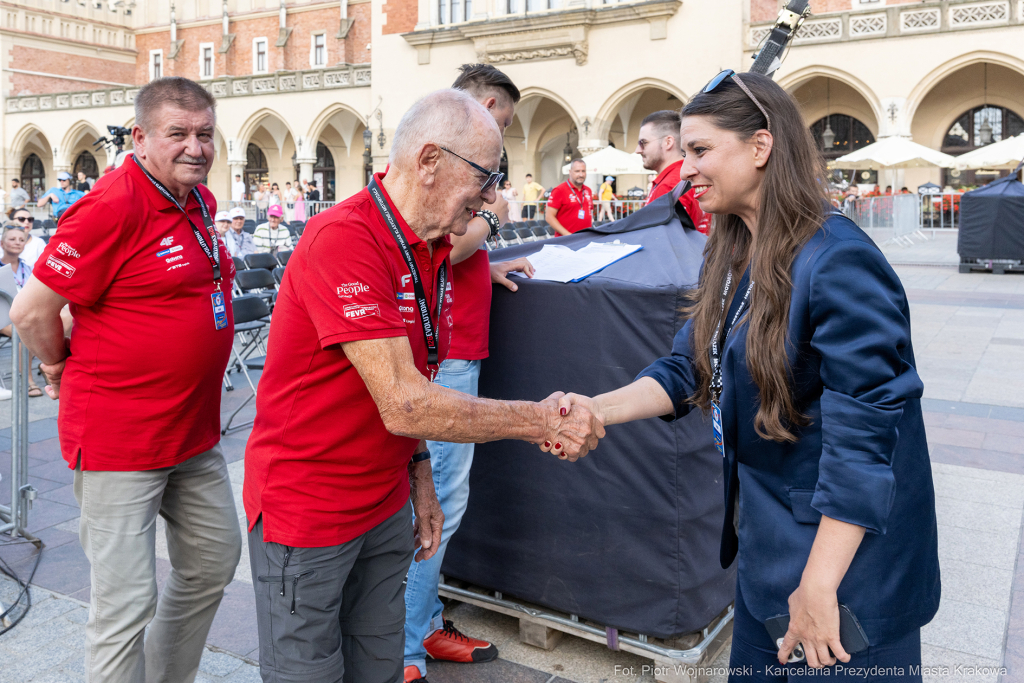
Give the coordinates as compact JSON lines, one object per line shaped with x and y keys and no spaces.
{"x":306,"y":170}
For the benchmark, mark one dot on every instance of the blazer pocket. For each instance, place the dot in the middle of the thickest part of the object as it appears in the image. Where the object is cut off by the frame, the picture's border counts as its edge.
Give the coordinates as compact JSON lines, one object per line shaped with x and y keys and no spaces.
{"x":800,"y":503}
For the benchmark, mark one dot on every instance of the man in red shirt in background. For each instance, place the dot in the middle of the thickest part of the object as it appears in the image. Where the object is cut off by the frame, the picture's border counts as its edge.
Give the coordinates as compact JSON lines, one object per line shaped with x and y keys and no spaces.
{"x":140,"y":384}
{"x":345,"y":401}
{"x":571,"y":206}
{"x":427,"y":633}
{"x":658,"y":144}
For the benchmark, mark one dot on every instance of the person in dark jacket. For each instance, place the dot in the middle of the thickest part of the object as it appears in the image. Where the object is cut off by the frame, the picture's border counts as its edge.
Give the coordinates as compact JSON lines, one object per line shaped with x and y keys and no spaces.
{"x":797,"y":345}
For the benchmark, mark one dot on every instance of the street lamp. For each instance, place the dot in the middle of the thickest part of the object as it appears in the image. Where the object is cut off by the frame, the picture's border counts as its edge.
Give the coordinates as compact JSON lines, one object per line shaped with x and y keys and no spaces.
{"x":367,"y":155}
{"x":827,"y":136}
{"x":381,"y":138}
{"x":567,"y":151}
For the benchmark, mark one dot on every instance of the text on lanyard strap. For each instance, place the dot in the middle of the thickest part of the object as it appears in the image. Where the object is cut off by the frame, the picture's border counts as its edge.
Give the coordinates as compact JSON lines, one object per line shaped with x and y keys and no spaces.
{"x":720,"y":336}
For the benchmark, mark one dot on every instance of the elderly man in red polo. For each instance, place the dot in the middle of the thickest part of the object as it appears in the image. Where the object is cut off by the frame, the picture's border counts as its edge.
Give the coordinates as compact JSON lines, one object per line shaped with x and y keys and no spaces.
{"x":346,"y":401}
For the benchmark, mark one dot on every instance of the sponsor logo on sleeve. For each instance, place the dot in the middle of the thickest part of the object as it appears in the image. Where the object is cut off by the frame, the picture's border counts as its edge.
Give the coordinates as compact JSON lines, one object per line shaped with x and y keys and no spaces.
{"x":405,"y":279}
{"x":407,"y":309}
{"x":167,"y":241}
{"x":356,"y":311}
{"x":165,"y":252}
{"x":351,"y":289}
{"x":61,"y":267}
{"x":174,"y":258}
{"x":68,"y":250}
{"x":405,"y":296}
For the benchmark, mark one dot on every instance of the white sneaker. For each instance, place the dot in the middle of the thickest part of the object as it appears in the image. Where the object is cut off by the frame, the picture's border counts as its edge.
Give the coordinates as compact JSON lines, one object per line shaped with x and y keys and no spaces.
{"x":5,"y":394}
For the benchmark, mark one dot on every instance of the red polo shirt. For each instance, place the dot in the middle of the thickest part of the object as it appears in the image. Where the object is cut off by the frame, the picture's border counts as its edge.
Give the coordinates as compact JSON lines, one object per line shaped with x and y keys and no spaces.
{"x":472,"y":308}
{"x":568,"y":201}
{"x":320,"y":466}
{"x":141,"y":389}
{"x":666,"y":182}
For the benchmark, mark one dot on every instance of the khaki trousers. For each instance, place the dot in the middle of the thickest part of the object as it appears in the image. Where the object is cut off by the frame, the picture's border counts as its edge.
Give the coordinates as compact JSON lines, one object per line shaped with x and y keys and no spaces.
{"x":118,"y":534}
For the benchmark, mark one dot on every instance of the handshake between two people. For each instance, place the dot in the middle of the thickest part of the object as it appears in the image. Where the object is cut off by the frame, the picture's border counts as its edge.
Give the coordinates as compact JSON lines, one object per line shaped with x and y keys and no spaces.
{"x":576,"y":426}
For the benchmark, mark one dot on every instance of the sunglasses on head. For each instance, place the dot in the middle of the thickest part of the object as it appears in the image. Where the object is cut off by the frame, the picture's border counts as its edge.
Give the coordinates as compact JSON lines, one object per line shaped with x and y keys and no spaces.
{"x":493,"y":177}
{"x":729,"y":73}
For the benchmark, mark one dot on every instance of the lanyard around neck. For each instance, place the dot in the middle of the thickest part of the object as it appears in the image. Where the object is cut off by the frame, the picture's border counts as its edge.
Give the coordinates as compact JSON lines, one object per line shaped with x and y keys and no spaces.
{"x":431,"y":332}
{"x":212,"y":254}
{"x":720,"y":337}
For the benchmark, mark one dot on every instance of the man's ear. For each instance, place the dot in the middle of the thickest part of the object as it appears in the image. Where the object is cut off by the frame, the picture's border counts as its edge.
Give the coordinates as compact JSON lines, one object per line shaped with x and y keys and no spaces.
{"x":490,"y":103}
{"x":139,"y":141}
{"x":763,"y":144}
{"x":427,"y":162}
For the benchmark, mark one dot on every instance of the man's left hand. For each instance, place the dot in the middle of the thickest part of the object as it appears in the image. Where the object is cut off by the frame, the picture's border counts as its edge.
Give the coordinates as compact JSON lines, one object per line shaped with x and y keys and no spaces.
{"x":500,"y":271}
{"x":429,"y":518}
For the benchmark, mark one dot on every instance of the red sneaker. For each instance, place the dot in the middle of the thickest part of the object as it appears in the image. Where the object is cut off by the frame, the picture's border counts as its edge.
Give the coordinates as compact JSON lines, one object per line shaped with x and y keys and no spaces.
{"x":412,"y":675}
{"x":450,"y":645}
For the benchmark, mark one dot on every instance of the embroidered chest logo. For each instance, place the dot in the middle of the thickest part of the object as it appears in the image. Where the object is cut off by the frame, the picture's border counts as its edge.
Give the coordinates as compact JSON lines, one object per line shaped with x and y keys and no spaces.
{"x":167,"y":241}
{"x":68,"y":250}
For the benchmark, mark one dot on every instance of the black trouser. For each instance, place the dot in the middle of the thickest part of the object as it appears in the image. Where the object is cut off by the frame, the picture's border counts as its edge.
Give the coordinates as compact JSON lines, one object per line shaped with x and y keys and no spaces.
{"x":333,"y":614}
{"x":529,"y":211}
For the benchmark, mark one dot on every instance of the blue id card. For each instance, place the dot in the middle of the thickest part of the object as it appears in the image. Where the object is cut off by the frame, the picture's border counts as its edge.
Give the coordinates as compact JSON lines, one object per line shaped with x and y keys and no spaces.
{"x":716,"y":425}
{"x":581,"y":214}
{"x":220,"y":311}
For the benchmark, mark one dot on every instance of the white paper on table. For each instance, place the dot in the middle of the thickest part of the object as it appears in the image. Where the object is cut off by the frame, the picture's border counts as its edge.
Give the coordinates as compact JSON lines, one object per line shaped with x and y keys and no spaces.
{"x":558,"y":263}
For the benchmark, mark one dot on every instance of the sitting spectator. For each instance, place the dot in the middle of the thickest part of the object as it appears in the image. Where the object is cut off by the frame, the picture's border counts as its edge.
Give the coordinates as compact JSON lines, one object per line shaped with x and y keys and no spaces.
{"x":18,"y":197}
{"x":223,"y":223}
{"x":238,"y":242}
{"x":13,"y":243}
{"x":34,"y":246}
{"x":62,"y":197}
{"x":271,"y":236}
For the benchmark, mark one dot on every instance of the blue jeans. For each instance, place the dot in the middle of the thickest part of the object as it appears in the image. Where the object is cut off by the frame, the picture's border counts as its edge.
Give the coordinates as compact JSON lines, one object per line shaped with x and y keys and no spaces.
{"x":450,"y":463}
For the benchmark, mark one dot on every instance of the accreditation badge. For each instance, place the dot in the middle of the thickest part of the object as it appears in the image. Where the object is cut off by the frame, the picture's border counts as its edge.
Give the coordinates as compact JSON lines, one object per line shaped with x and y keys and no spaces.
{"x":220,"y":311}
{"x":581,"y":214}
{"x":716,"y":425}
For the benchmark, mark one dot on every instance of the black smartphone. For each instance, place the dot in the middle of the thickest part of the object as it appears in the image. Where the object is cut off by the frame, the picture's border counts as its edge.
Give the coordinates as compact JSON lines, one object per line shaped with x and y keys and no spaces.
{"x":851,"y":633}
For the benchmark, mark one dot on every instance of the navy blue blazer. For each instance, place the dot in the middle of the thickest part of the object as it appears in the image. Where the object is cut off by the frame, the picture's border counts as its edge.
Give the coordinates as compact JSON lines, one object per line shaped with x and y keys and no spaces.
{"x":862,"y":458}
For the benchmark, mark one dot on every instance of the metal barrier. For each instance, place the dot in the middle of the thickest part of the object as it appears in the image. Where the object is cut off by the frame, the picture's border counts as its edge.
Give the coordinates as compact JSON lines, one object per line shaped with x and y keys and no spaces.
{"x":293,"y":211}
{"x":888,"y":219}
{"x":14,"y":517}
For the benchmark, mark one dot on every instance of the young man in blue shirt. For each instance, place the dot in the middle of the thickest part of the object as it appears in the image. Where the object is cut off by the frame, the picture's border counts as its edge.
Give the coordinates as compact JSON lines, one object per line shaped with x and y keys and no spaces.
{"x":62,"y":197}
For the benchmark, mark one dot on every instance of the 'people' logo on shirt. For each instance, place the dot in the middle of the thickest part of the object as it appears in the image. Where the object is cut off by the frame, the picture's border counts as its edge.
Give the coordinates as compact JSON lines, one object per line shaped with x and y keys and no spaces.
{"x":351,"y":289}
{"x":60,"y":266}
{"x":361,"y":310}
{"x":68,"y":250}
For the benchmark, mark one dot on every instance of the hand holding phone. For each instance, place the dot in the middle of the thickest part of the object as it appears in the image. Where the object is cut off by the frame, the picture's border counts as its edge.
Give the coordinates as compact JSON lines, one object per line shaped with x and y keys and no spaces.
{"x":851,"y":634}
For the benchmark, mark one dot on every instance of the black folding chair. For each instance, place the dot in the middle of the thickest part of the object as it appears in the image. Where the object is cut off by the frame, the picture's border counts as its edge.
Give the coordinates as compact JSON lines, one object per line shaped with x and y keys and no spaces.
{"x":539,"y":233}
{"x":278,"y":274}
{"x":261,"y":260}
{"x":257,"y":281}
{"x":239,"y":264}
{"x":525,"y":234}
{"x":250,"y":313}
{"x":508,"y":236}
{"x":283,"y":256}
{"x":249,"y":226}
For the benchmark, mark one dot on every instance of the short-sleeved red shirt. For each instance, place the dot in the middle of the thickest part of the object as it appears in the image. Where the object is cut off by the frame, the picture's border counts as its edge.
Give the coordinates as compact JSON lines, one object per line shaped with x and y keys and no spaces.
{"x":472,"y":308}
{"x":320,"y":466}
{"x":666,"y":182}
{"x":568,"y":201}
{"x":141,"y":389}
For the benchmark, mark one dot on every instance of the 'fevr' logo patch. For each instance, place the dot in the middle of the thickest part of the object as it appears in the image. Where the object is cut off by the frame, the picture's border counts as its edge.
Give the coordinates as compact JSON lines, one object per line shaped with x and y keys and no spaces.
{"x":61,"y":267}
{"x":361,"y":310}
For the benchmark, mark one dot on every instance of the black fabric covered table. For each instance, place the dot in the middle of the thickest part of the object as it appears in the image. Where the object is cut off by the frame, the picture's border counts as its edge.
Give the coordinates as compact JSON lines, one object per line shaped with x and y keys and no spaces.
{"x":992,"y":221}
{"x":628,"y":536}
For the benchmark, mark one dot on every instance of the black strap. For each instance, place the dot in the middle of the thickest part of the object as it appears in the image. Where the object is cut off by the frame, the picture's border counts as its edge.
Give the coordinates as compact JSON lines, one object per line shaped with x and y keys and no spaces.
{"x":718,"y":340}
{"x":789,"y":21}
{"x":212,"y":254}
{"x":431,"y":332}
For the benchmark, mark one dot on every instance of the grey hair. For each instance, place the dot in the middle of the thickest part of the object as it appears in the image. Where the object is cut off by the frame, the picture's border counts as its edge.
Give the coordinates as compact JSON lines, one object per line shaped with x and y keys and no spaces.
{"x":444,"y":117}
{"x":174,"y":90}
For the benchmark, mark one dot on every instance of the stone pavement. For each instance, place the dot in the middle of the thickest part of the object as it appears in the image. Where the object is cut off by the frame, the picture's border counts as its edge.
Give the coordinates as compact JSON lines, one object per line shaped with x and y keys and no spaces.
{"x":969,"y":338}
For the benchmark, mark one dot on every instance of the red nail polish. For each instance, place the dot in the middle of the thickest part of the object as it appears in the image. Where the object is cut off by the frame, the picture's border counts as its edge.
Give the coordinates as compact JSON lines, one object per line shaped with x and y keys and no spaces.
{"x":563,"y":411}
{"x":547,"y":444}
{"x":558,"y":446}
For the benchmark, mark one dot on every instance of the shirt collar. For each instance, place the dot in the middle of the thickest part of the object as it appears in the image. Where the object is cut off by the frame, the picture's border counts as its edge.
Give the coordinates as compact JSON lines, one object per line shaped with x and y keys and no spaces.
{"x":162,"y":202}
{"x":441,"y":246}
{"x":676,"y":166}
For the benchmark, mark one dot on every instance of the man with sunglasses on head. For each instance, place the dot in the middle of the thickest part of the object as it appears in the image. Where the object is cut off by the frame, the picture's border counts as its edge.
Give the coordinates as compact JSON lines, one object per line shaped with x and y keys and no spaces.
{"x":427,"y":633}
{"x":658,"y":144}
{"x":337,"y":462}
{"x":33,"y":245}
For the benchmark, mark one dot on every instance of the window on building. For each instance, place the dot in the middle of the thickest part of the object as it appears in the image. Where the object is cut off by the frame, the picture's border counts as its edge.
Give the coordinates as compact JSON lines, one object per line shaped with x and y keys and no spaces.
{"x":86,"y":163}
{"x":33,"y":177}
{"x":256,"y":171}
{"x":511,"y":6}
{"x":323,"y":172}
{"x":849,"y":135}
{"x":973,"y":129}
{"x":205,"y":61}
{"x":541,"y":5}
{"x":156,"y":64}
{"x":259,"y":55}
{"x":456,"y":11}
{"x":318,"y":50}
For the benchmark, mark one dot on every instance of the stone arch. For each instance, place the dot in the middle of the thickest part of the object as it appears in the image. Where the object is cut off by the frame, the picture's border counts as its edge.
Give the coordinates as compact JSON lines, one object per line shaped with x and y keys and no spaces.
{"x":252,"y":124}
{"x":541,"y":116}
{"x":79,"y":137}
{"x":950,"y":67}
{"x":627,"y":96}
{"x":334,"y":115}
{"x":802,"y":77}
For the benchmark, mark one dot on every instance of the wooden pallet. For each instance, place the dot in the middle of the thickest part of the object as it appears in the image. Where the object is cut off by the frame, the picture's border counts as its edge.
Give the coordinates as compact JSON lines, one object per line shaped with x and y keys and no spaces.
{"x":683,"y":660}
{"x":994,"y":267}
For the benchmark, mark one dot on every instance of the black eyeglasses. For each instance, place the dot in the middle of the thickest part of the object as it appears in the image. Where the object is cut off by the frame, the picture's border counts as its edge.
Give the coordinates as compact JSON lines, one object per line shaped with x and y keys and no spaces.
{"x":729,"y":73}
{"x":642,"y":144}
{"x":30,"y":219}
{"x":493,"y":177}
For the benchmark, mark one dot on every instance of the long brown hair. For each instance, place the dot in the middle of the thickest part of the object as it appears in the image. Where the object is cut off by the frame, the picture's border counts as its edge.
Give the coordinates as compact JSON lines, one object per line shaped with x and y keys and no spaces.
{"x":792,"y":203}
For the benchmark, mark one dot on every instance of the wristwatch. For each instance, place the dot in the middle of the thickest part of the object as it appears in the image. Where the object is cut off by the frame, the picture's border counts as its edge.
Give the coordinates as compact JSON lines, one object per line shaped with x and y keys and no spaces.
{"x":492,"y":220}
{"x":420,"y":457}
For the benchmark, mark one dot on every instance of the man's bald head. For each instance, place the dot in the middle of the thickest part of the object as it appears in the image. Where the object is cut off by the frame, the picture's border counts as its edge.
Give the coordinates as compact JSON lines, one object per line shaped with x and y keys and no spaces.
{"x":448,"y":118}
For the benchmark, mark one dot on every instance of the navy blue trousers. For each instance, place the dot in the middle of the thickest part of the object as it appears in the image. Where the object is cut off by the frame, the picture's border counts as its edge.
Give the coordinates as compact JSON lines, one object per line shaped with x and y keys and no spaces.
{"x":755,"y":658}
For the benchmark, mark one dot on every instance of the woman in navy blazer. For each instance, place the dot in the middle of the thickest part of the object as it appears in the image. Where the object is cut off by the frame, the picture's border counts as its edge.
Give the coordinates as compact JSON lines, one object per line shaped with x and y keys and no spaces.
{"x":828,"y":487}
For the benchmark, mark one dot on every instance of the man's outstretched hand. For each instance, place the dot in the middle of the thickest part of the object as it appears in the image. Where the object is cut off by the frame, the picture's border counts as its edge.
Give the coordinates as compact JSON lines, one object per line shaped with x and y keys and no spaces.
{"x":574,"y":429}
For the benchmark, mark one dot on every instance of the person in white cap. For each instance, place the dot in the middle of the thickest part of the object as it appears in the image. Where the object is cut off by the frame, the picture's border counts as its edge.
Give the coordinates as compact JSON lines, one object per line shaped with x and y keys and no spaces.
{"x":223,"y":223}
{"x":62,"y":197}
{"x":606,"y":195}
{"x":237,"y":240}
{"x":272,"y":235}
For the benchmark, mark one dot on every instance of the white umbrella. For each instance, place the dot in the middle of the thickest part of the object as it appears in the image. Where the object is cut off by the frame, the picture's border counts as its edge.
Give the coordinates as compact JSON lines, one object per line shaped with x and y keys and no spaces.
{"x":612,"y":161}
{"x":894,"y":152}
{"x":1005,"y":154}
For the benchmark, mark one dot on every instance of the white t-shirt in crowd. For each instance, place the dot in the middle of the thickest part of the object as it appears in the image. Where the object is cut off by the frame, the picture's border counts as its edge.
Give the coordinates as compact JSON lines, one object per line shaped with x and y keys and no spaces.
{"x":33,"y":248}
{"x":237,"y":191}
